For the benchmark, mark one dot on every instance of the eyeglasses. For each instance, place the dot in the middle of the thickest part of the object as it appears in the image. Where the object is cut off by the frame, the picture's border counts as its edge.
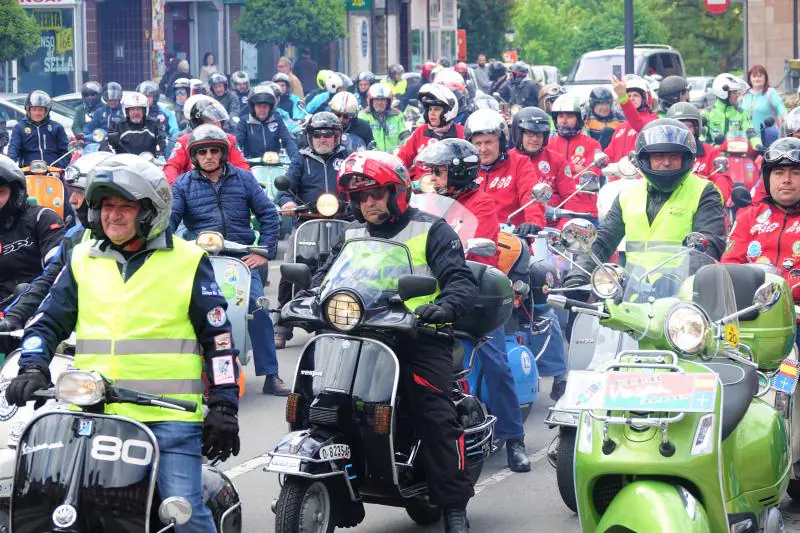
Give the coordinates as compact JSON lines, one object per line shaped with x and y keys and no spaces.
{"x":774,"y":155}
{"x":323,"y":134}
{"x":204,"y":151}
{"x":375,"y":194}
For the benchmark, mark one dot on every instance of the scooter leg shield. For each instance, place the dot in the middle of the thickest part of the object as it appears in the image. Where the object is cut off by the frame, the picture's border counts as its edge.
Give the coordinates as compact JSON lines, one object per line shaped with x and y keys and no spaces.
{"x":651,"y":506}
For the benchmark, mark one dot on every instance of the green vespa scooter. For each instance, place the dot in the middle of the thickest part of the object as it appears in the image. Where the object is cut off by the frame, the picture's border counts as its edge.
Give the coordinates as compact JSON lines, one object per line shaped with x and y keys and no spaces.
{"x":674,"y":437}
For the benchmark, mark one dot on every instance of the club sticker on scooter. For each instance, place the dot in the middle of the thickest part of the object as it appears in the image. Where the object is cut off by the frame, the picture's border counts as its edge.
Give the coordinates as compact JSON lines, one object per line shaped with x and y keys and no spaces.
{"x":334,"y":452}
{"x":7,"y":410}
{"x":64,"y":516}
{"x":288,"y":465}
{"x":786,"y":379}
{"x":652,"y":391}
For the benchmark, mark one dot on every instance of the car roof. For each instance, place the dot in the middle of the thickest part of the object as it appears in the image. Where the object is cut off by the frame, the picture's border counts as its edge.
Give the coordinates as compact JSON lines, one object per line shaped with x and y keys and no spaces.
{"x":637,"y":51}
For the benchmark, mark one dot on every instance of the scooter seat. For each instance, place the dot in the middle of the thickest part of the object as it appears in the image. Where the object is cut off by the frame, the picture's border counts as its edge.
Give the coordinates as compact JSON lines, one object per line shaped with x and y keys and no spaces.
{"x":739,"y":385}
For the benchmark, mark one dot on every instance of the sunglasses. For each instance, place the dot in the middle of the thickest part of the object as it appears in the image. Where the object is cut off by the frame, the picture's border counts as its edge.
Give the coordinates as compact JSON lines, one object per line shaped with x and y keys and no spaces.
{"x":323,"y":134}
{"x":774,"y":155}
{"x":375,"y":194}
{"x":204,"y":151}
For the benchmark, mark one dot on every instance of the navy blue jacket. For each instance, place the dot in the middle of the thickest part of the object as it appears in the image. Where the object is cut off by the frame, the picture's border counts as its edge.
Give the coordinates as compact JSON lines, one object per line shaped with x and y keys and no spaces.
{"x":225,"y":207}
{"x":313,"y":175}
{"x":47,"y":141}
{"x":106,"y":118}
{"x":58,"y":314}
{"x":256,"y":137}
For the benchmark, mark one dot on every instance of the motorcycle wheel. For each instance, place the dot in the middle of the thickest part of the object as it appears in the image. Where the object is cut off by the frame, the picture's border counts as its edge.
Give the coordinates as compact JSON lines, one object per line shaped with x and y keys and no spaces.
{"x":565,"y":465}
{"x":304,"y":506}
{"x":526,"y":411}
{"x":793,"y":490}
{"x":423,"y":513}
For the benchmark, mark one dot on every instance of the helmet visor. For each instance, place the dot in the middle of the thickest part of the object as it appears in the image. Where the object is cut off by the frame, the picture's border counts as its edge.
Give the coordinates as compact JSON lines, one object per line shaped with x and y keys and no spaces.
{"x":214,"y":113}
{"x":668,"y":139}
{"x":113,"y":94}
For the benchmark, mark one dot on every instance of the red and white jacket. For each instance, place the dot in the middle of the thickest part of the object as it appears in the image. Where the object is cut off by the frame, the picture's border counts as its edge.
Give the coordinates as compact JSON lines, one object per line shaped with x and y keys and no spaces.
{"x":509,"y":182}
{"x":704,"y":165}
{"x":483,"y":207}
{"x":624,"y":139}
{"x":422,"y":137}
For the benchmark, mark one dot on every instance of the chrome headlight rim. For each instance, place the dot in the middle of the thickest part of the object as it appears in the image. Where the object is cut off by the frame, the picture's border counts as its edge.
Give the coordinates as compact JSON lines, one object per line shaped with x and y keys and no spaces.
{"x":355,"y":299}
{"x":609,"y":275}
{"x":327,"y":204}
{"x":702,"y":338}
{"x":92,"y":381}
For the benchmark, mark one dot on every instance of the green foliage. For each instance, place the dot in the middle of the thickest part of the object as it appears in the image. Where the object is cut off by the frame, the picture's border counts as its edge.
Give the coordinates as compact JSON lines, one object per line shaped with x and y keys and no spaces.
{"x":546,"y":31}
{"x":19,"y":35}
{"x":485,"y":22}
{"x":300,"y":22}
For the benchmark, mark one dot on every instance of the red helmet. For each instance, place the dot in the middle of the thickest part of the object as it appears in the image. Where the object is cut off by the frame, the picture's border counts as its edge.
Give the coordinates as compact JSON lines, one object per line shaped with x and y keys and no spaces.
{"x":427,"y":70}
{"x":371,"y":169}
{"x":462,"y":69}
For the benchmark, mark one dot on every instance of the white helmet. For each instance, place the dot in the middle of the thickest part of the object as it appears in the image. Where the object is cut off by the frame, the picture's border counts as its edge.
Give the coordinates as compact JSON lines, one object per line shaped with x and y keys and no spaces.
{"x":448,"y":75}
{"x":333,"y":82}
{"x":641,"y":86}
{"x":433,"y":94}
{"x":344,"y":103}
{"x":189,"y":104}
{"x":724,"y":84}
{"x":134,"y":99}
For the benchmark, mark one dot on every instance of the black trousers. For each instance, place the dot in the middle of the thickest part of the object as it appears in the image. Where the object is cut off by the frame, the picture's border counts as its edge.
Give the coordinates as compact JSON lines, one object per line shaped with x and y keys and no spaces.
{"x":426,"y":372}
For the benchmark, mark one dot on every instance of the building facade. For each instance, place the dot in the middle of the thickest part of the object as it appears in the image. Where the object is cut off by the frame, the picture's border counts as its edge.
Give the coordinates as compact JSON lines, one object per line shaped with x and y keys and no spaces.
{"x":769,"y":36}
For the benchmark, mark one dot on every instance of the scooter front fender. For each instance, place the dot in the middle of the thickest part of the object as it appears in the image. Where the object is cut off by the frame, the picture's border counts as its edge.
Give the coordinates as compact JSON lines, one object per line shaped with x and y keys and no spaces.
{"x":655,"y":507}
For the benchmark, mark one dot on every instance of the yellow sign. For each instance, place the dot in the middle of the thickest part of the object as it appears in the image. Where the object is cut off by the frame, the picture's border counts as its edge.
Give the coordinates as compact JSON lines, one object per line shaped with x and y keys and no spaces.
{"x":64,"y":41}
{"x":732,"y":335}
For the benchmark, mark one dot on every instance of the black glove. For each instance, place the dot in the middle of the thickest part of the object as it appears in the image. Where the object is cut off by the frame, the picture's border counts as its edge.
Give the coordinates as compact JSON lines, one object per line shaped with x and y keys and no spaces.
{"x":432,"y":314}
{"x":221,"y":432}
{"x":6,"y":325}
{"x":29,"y":380}
{"x":527,"y":228}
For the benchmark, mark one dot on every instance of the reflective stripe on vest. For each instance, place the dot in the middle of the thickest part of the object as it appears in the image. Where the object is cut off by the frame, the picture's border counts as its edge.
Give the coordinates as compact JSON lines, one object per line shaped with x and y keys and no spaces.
{"x":415,"y":237}
{"x":138,"y":333}
{"x":671,"y":224}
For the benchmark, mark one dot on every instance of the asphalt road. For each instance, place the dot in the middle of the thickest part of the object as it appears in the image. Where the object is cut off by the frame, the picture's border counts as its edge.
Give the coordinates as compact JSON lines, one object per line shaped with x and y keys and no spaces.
{"x":504,"y":501}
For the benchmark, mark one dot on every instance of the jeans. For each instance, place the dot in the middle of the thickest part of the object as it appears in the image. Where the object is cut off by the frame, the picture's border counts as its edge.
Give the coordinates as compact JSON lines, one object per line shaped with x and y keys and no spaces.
{"x":503,"y":401}
{"x":552,"y":362}
{"x":262,"y":335}
{"x":180,"y":471}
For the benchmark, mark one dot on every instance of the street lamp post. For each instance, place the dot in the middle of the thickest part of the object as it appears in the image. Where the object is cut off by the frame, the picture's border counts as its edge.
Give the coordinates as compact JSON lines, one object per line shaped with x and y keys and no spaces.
{"x":510,"y":35}
{"x":629,"y":37}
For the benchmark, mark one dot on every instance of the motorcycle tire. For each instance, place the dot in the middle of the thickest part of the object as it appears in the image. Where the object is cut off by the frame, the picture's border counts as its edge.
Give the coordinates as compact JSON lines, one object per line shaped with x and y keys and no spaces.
{"x":293,"y":500}
{"x":565,"y":463}
{"x":423,"y":513}
{"x":793,"y":490}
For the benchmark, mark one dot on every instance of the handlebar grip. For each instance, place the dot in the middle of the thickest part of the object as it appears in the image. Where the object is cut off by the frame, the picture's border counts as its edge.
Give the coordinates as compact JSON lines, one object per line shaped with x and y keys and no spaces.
{"x":557,"y":300}
{"x":185,"y":405}
{"x":45,"y":393}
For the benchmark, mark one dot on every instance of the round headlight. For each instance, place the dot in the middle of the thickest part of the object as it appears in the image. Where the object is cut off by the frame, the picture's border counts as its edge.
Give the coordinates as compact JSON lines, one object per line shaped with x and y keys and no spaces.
{"x":270,"y":158}
{"x":38,"y":167}
{"x":343,"y":311}
{"x":327,"y":205}
{"x":210,"y":241}
{"x":607,"y":280}
{"x":687,"y":328}
{"x":99,"y":135}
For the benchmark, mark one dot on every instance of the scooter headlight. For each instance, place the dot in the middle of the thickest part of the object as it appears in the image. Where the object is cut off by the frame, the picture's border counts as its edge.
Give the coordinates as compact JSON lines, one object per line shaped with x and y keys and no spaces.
{"x":80,"y":388}
{"x":607,"y":280}
{"x":99,"y":135}
{"x":38,"y":167}
{"x":210,"y":241}
{"x":270,"y":158}
{"x":343,"y":311}
{"x":687,"y":328}
{"x":327,"y":205}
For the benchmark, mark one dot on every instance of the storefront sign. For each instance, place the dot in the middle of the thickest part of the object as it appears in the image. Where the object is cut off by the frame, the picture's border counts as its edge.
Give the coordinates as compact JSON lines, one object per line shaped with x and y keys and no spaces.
{"x":364,"y":38}
{"x":46,"y":3}
{"x":358,"y":5}
{"x":158,"y":42}
{"x":52,"y":66}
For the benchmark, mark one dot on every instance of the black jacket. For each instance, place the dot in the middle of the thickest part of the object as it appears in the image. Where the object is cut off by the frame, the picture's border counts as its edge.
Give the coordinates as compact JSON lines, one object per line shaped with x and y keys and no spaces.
{"x":444,"y":255}
{"x":137,"y":138}
{"x":524,"y":93}
{"x":312,"y":174}
{"x":360,"y":128}
{"x":230,"y":102}
{"x":27,"y":242}
{"x":708,"y":220}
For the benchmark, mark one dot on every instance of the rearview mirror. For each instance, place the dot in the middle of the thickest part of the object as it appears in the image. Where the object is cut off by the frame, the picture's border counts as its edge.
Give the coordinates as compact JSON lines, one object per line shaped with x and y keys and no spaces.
{"x":175,"y":510}
{"x":696,"y":241}
{"x":297,"y":274}
{"x":767,"y":295}
{"x":721,"y":164}
{"x":578,"y":235}
{"x":600,"y":160}
{"x":481,"y":247}
{"x":542,"y":192}
{"x":410,"y":286}
{"x":282,"y":183}
{"x":627,"y":167}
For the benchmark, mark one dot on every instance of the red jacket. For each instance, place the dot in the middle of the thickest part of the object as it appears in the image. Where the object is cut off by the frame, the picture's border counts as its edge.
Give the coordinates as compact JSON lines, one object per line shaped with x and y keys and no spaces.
{"x":421,"y":137}
{"x":482,"y":206}
{"x":704,"y":165}
{"x":179,"y":161}
{"x":580,"y":152}
{"x":509,"y":182}
{"x":766,"y":233}
{"x":624,"y":139}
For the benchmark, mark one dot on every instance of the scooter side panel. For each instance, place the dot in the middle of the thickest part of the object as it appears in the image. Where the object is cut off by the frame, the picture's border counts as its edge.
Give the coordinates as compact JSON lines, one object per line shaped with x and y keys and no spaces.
{"x":48,"y":191}
{"x":233,"y":278}
{"x":83,"y":473}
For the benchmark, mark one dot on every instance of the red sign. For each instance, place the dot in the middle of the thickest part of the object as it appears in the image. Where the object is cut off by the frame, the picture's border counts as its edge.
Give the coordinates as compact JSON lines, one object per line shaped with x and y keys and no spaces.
{"x":462,"y":45}
{"x":717,"y":7}
{"x":510,"y":56}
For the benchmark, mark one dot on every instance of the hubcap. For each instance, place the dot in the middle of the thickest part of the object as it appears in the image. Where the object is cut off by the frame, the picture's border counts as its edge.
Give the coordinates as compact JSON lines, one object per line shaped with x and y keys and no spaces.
{"x":315,"y":511}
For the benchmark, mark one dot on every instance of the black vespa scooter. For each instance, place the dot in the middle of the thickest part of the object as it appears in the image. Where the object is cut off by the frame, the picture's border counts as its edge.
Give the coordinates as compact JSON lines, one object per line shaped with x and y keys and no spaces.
{"x":81,"y":471}
{"x":352,"y":439}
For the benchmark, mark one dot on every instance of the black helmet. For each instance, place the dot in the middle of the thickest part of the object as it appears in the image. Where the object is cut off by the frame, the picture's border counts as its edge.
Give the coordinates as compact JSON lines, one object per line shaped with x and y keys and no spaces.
{"x":395,"y":70}
{"x":443,"y":61}
{"x":113,"y":91}
{"x":686,"y":111}
{"x":600,"y":95}
{"x":785,"y":152}
{"x":38,"y":98}
{"x":280,"y":77}
{"x":670,"y":90}
{"x":665,"y":135}
{"x":206,"y":110}
{"x":149,"y":88}
{"x":530,"y":119}
{"x":262,"y":95}
{"x":324,"y":120}
{"x":10,"y":174}
{"x":519,"y":70}
{"x":208,"y":136}
{"x":90,"y":93}
{"x":497,"y":71}
{"x":461,"y":159}
{"x":216,"y":79}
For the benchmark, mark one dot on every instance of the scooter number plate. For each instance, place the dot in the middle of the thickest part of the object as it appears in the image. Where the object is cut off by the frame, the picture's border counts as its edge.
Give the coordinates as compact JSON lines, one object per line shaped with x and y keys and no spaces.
{"x":285,"y":464}
{"x":334,"y":451}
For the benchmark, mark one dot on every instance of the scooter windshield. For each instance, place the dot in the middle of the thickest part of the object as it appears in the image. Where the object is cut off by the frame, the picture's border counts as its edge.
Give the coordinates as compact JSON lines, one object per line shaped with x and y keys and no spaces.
{"x":736,"y":142}
{"x":671,"y":273}
{"x":370,"y":268}
{"x":461,"y":219}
